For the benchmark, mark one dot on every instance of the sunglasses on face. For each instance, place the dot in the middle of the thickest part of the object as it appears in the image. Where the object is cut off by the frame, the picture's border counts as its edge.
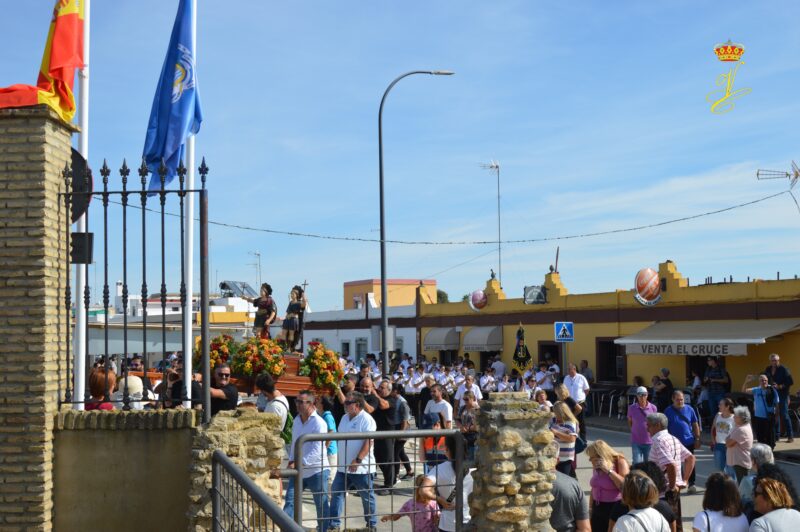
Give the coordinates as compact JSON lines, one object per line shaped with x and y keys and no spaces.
{"x":223,"y":375}
{"x":301,"y":401}
{"x":758,"y":492}
{"x":351,"y":402}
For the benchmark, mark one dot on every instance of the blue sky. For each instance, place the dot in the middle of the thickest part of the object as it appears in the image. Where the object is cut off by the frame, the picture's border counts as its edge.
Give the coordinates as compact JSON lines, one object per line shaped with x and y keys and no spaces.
{"x":596,"y":112}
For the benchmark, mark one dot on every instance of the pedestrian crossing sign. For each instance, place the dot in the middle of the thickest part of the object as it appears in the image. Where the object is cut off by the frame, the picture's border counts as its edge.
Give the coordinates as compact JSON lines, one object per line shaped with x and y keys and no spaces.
{"x":564,"y":331}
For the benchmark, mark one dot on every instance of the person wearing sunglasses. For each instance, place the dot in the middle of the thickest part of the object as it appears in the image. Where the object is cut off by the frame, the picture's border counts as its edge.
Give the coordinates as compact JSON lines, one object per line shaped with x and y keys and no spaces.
{"x":313,"y":456}
{"x":224,"y":395}
{"x":771,"y":499}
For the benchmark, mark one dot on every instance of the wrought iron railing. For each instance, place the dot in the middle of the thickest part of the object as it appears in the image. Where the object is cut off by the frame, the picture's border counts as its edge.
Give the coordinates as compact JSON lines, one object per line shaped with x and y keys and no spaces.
{"x":238,"y":504}
{"x":82,"y":254}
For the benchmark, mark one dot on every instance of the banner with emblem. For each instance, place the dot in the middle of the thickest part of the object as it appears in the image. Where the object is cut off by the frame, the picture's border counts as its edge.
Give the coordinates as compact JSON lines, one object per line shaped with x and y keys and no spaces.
{"x":176,"y":110}
{"x":63,"y":53}
{"x":522,"y":358}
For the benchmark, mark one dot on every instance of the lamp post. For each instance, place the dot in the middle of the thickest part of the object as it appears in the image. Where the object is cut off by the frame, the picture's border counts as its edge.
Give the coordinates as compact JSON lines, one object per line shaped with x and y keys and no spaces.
{"x":495,"y":165}
{"x":384,"y":316}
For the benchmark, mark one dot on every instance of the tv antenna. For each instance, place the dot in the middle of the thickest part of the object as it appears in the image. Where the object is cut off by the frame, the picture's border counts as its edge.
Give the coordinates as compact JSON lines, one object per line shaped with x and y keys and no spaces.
{"x":494,"y":166}
{"x":792,"y":176}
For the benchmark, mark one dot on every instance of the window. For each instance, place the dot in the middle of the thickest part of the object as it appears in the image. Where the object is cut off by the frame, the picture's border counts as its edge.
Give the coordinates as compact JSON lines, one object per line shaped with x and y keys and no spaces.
{"x":361,"y":349}
{"x":398,"y":345}
{"x":346,"y":349}
{"x":611,"y":361}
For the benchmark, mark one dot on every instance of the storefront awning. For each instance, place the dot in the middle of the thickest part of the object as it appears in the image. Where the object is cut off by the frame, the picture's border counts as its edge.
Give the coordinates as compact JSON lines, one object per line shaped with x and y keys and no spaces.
{"x":704,"y":338}
{"x":484,"y":339}
{"x":441,"y":339}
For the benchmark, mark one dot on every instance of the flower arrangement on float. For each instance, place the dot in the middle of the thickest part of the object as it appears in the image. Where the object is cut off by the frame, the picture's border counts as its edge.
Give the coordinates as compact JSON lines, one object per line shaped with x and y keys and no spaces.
{"x":257,"y":356}
{"x":323,"y":367}
{"x":220,"y":350}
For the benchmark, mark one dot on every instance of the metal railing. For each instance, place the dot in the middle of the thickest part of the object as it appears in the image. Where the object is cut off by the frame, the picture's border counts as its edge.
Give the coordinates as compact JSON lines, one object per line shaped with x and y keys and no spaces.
{"x":238,"y":504}
{"x":78,"y":370}
{"x":456,"y":492}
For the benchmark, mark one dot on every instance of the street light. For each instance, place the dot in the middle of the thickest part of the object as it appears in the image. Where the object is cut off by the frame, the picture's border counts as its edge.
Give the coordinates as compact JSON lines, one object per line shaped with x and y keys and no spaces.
{"x":495,"y":165}
{"x":384,"y":316}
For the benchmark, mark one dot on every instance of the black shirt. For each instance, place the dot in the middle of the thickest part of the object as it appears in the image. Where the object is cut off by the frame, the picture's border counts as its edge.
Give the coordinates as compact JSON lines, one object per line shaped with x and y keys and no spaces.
{"x":230,"y":401}
{"x":662,"y":506}
{"x":782,"y":376}
{"x":664,"y":397}
{"x":384,"y":419}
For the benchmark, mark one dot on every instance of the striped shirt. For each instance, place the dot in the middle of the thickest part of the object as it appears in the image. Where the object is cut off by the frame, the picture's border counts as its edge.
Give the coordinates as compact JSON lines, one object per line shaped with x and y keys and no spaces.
{"x":667,"y":449}
{"x":566,"y":449}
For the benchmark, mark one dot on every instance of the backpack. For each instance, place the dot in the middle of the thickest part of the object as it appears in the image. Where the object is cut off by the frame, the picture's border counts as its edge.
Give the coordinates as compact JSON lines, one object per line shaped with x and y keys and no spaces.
{"x":286,"y":433}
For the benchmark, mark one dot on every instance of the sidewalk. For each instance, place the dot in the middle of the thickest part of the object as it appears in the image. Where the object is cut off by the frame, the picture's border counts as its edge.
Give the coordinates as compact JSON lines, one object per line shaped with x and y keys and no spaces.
{"x":783,"y":450}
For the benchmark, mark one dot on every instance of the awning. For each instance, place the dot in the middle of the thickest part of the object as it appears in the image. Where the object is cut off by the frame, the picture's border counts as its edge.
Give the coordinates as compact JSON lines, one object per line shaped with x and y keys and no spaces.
{"x":484,"y":339}
{"x":704,"y":338}
{"x":441,"y":339}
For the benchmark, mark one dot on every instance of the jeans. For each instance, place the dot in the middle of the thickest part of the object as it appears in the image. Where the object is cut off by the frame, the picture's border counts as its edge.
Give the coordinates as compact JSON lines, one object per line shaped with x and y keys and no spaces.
{"x":363,"y":484}
{"x":318,"y":485}
{"x":783,"y":418}
{"x":713,"y":403}
{"x":720,"y":456}
{"x":640,"y":452}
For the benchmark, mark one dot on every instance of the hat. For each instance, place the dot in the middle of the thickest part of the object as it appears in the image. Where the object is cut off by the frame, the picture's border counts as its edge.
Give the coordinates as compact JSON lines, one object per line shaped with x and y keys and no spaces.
{"x":641,"y":390}
{"x":135,"y":385}
{"x":429,"y":420}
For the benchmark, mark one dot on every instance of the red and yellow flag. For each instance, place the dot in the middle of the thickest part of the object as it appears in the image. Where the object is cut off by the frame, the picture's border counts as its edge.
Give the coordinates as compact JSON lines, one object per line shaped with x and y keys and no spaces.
{"x":63,"y":53}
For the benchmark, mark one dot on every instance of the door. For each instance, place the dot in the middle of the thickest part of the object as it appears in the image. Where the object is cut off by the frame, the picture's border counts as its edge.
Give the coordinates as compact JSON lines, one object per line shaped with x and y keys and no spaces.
{"x":554,"y":351}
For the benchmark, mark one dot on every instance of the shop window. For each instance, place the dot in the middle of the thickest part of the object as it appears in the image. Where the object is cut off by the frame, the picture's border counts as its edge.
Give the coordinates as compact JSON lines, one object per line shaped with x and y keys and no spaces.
{"x":611,"y":361}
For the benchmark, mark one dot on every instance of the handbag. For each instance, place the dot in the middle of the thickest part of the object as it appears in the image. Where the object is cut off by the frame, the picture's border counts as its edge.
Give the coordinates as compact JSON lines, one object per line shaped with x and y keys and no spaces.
{"x":580,"y":445}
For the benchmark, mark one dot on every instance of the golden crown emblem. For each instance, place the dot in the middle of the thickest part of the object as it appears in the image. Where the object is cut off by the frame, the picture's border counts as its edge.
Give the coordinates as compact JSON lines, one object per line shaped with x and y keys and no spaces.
{"x":729,"y":51}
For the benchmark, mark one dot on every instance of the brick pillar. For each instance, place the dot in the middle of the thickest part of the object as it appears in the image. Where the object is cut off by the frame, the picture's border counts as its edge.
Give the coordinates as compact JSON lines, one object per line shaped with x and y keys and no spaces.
{"x":34,"y":147}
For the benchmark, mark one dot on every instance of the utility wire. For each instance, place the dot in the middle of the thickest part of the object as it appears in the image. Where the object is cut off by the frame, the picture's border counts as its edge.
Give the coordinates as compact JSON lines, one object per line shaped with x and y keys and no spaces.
{"x":480,"y":242}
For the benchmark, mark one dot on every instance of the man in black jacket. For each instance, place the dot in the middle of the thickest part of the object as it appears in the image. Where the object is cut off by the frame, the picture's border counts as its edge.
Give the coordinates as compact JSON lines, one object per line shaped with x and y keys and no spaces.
{"x":780,"y":377}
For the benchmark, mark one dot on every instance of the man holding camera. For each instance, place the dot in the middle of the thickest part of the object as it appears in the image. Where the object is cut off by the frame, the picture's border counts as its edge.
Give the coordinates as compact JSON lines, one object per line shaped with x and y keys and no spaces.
{"x":765,"y":399}
{"x":781,"y":379}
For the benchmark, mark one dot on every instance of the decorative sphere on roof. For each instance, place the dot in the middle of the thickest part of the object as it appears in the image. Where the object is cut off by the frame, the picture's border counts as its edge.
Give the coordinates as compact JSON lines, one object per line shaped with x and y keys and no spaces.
{"x":648,"y":287}
{"x":478,"y":300}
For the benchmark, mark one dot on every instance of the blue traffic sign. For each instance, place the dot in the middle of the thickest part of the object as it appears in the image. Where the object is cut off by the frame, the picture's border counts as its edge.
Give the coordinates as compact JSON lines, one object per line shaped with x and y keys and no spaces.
{"x":564,"y":331}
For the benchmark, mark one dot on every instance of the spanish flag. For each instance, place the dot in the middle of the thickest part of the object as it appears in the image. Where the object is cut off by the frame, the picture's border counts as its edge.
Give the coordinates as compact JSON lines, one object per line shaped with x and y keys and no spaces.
{"x":63,"y":53}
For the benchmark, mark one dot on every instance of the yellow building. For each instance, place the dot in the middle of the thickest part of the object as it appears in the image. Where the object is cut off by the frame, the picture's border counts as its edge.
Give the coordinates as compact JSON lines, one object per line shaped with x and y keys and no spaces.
{"x":621,"y":338}
{"x":358,"y":294}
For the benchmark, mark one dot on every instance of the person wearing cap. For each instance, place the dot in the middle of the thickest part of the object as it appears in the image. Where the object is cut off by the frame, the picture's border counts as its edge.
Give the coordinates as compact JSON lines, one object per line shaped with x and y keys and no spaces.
{"x":641,"y":442}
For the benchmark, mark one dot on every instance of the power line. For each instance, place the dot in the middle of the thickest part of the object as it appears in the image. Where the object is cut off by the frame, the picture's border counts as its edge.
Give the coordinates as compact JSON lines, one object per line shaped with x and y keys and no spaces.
{"x":479,"y":242}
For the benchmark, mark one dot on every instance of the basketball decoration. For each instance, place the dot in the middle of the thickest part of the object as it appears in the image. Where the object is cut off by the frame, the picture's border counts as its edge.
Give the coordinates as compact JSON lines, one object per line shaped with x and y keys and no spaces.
{"x":478,"y":300}
{"x":648,"y":287}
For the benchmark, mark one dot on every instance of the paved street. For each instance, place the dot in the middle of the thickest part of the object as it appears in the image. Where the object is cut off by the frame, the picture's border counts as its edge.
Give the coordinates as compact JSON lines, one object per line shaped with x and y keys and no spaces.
{"x":618,"y":439}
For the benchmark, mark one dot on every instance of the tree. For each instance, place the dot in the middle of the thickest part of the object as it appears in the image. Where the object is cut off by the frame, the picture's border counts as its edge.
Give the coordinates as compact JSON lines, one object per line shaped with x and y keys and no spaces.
{"x":442,"y":297}
{"x":465,"y":298}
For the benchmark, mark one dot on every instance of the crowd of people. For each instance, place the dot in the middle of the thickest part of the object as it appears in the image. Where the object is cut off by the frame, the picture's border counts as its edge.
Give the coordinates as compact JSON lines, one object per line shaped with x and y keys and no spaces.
{"x":747,"y":491}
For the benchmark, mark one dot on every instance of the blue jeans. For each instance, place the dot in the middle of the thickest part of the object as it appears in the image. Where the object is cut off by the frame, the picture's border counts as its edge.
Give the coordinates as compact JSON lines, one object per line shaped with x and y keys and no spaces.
{"x":363,"y":484}
{"x":713,"y":403}
{"x":720,"y":456}
{"x":783,"y":415}
{"x":318,"y":485}
{"x":640,"y":452}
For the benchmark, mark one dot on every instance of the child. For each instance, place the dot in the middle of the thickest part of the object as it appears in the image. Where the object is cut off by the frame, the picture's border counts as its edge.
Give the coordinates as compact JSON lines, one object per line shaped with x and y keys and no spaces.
{"x":468,"y":423}
{"x":431,"y":450}
{"x":422,"y":509}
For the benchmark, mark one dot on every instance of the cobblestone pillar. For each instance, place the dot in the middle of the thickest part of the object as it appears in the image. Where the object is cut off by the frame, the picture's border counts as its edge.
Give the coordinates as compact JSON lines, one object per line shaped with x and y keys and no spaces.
{"x":516,"y":466}
{"x":34,"y":147}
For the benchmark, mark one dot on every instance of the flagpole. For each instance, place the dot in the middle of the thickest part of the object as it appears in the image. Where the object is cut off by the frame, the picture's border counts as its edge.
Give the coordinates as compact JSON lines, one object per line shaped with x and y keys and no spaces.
{"x":79,"y":350}
{"x":189,"y":242}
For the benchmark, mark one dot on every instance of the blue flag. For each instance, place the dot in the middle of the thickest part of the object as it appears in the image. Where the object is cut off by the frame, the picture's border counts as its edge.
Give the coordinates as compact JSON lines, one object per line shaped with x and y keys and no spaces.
{"x":176,"y":110}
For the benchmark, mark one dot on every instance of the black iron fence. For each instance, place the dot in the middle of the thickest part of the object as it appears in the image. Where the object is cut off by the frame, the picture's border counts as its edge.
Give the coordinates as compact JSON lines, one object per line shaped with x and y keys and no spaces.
{"x":380,"y":506}
{"x":134,"y":204}
{"x":238,"y":504}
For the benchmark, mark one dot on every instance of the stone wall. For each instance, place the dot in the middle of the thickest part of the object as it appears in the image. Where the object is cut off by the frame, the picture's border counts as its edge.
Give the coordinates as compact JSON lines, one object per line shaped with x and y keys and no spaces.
{"x":126,"y":471}
{"x":251,"y":439}
{"x":516,"y":466}
{"x":34,"y":148}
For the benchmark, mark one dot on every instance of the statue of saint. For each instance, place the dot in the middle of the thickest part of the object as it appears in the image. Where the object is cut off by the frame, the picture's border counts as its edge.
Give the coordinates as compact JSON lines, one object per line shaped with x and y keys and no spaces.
{"x":292,"y":329}
{"x":266,"y":311}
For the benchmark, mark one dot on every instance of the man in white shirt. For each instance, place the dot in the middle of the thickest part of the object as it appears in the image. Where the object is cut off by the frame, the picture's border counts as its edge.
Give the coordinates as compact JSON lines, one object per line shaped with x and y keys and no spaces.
{"x":459,"y":377}
{"x":499,"y":368}
{"x":469,"y":385}
{"x":357,"y":459}
{"x":437,"y":405}
{"x":488,"y":382}
{"x":314,"y":458}
{"x":444,"y":479}
{"x":544,"y":380}
{"x":578,"y":387}
{"x":405,"y":363}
